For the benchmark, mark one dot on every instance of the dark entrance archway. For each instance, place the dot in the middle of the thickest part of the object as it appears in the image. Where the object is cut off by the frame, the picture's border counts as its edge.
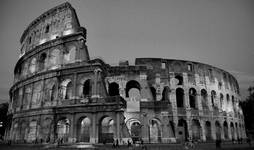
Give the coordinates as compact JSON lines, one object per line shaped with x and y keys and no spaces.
{"x":106,"y":130}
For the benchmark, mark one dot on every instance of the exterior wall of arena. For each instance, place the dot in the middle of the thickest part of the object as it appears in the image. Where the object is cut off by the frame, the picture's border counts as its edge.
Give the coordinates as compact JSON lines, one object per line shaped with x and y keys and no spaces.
{"x":60,"y":94}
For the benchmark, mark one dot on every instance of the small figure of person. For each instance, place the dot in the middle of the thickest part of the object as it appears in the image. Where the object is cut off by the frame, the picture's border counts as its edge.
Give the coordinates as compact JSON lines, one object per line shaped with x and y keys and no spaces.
{"x":129,"y":143}
{"x":117,"y":143}
{"x":114,"y":145}
{"x":217,"y":143}
{"x":249,"y":141}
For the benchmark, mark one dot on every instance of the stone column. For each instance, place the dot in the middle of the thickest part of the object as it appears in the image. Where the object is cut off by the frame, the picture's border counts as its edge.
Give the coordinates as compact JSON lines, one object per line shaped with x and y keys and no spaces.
{"x":189,"y":124}
{"x":94,"y":136}
{"x":172,"y":97}
{"x":165,"y":130}
{"x":145,"y":128}
{"x":186,"y":99}
{"x":229,"y":130}
{"x":95,"y":83}
{"x":203,"y":136}
{"x":222,"y":131}
{"x":158,"y":87}
{"x":117,"y":125}
{"x":75,"y":91}
{"x":72,"y":133}
{"x":209,"y":101}
{"x":213,"y":130}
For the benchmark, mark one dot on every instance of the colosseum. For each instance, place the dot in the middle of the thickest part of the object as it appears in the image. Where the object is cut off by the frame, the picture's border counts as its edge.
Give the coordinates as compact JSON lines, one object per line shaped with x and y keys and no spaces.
{"x":60,"y":93}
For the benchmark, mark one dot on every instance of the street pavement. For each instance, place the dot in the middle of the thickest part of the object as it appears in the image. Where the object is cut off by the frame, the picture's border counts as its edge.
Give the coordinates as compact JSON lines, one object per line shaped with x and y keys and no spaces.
{"x":199,"y":146}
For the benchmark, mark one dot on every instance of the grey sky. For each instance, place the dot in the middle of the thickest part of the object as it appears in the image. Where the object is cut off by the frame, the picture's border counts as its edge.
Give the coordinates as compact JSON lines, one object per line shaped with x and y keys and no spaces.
{"x":216,"y":32}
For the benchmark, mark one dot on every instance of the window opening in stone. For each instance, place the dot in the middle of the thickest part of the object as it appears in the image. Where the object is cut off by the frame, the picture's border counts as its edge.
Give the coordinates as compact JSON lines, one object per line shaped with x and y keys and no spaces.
{"x":165,"y":94}
{"x":87,"y":88}
{"x":153,"y":92}
{"x":113,"y":89}
{"x":132,"y":84}
{"x":180,"y":97}
{"x":47,"y":29}
{"x":192,"y":98}
{"x":163,"y":65}
{"x":179,"y":79}
{"x":69,"y":90}
{"x":189,"y":67}
{"x":42,"y":61}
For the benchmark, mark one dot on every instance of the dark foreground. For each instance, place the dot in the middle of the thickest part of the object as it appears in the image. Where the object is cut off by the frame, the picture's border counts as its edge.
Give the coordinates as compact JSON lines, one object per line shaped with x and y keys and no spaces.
{"x":200,"y":146}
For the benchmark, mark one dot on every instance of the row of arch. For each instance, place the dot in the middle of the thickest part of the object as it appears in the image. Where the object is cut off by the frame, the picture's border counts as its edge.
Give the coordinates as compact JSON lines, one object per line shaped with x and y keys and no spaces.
{"x":61,"y":129}
{"x":33,"y":130}
{"x":52,"y":92}
{"x":182,"y":132}
{"x":134,"y":88}
{"x":179,"y":81}
{"x":215,"y":102}
{"x":33,"y":94}
{"x":47,"y":60}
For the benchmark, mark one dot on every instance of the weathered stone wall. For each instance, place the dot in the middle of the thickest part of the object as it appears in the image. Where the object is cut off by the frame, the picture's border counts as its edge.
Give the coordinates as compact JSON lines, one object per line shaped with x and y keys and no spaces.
{"x":59,"y":94}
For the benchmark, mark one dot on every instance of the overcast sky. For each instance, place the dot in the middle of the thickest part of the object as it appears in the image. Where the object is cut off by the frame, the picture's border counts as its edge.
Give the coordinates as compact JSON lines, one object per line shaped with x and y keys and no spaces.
{"x":215,"y":32}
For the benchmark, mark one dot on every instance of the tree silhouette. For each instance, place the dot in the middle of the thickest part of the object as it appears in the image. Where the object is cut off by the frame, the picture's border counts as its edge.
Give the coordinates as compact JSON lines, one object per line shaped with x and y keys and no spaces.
{"x":248,"y":111}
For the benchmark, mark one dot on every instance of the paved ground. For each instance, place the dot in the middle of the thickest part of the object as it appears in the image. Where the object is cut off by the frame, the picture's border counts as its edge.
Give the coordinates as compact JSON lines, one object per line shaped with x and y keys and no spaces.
{"x":201,"y":146}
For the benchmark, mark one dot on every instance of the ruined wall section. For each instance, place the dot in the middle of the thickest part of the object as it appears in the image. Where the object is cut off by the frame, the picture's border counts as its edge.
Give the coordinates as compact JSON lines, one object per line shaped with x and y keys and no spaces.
{"x":56,"y":22}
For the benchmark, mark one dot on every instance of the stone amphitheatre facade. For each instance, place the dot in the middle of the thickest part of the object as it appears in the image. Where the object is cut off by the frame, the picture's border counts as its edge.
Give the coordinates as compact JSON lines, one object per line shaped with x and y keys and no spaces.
{"x":60,"y":93}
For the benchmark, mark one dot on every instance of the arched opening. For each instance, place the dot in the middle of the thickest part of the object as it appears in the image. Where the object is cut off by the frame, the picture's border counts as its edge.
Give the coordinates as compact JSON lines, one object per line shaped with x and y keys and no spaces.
{"x":47,"y":29}
{"x":24,"y":69}
{"x":204,"y":99}
{"x":63,"y":129}
{"x":54,"y":59}
{"x":196,"y":130}
{"x":155,"y":131}
{"x":182,"y":134}
{"x":70,"y":54}
{"x":236,"y":131}
{"x":179,"y":79}
{"x":153,"y":92}
{"x":42,"y":61}
{"x":136,"y":131}
{"x":208,"y":131}
{"x":106,"y":130}
{"x":53,"y":94}
{"x":37,"y":93}
{"x":27,"y":96}
{"x":69,"y":90}
{"x":132,"y":84}
{"x":192,"y":98}
{"x":24,"y":131}
{"x":83,"y":132}
{"x":165,"y":94}
{"x":218,"y":130}
{"x":213,"y":97}
{"x":32,"y":131}
{"x":172,"y":129}
{"x":180,"y":97}
{"x":15,"y":131}
{"x":232,"y":129}
{"x":225,"y":128}
{"x":32,"y":66}
{"x":87,"y":88}
{"x":47,"y":127}
{"x":113,"y":89}
{"x":221,"y":101}
{"x":72,"y":51}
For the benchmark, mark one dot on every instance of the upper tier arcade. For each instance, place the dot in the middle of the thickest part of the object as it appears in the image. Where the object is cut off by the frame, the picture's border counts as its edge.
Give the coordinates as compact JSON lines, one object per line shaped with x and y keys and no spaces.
{"x":54,"y":23}
{"x":52,"y":41}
